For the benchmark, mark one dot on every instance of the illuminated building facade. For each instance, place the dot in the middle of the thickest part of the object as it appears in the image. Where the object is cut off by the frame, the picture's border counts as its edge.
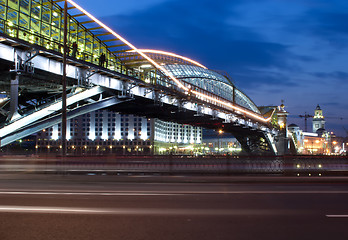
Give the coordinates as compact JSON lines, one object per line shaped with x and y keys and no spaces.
{"x":174,"y":138}
{"x":318,"y":142}
{"x":220,"y":142}
{"x":315,"y":145}
{"x":309,"y":143}
{"x":105,"y":132}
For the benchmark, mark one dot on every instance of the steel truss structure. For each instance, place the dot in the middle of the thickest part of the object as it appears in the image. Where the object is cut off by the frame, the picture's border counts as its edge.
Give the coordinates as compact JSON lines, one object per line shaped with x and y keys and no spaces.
{"x":95,"y":48}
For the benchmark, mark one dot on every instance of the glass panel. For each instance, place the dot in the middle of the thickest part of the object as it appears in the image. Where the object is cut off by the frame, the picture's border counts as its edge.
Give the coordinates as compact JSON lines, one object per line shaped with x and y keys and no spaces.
{"x":46,"y":17}
{"x":45,"y":29}
{"x":73,"y":31}
{"x":24,"y":6}
{"x":24,"y":21}
{"x":81,"y":46}
{"x":35,"y":26}
{"x":13,"y":2}
{"x":96,"y":51}
{"x":2,"y":11}
{"x":36,"y":9}
{"x":55,"y":33}
{"x":56,"y":17}
{"x":12,"y":16}
{"x":41,"y":22}
{"x":2,"y":26}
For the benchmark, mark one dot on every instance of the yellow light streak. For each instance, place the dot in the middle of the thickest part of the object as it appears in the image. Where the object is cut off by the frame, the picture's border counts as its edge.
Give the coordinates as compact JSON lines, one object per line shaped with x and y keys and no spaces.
{"x":170,"y":54}
{"x":179,"y":83}
{"x":229,"y":105}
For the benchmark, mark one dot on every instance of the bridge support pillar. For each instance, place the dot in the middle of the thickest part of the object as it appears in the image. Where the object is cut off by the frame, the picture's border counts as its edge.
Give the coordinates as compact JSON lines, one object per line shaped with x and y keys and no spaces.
{"x":282,"y":143}
{"x":14,"y":99}
{"x":254,"y":144}
{"x":83,"y":76}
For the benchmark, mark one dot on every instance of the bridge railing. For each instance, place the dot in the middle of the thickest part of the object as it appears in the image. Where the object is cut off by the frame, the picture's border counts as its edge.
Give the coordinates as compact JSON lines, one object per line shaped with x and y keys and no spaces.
{"x":55,"y":45}
{"x":214,"y":101}
{"x":42,"y":24}
{"x":31,"y":26}
{"x":211,"y":99}
{"x":154,"y":77}
{"x":316,"y":165}
{"x":222,"y":165}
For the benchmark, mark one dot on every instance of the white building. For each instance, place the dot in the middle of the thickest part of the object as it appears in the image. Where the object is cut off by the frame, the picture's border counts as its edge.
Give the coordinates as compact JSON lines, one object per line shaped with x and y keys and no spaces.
{"x":104,"y":131}
{"x":318,"y":120}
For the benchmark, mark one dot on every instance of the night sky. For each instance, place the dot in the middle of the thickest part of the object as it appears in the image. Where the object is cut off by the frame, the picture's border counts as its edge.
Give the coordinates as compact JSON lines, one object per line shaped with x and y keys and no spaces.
{"x":291,"y":50}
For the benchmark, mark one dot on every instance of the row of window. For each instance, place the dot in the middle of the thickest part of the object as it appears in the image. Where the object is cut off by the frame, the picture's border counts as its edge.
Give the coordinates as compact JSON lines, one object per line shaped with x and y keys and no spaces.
{"x":95,"y":143}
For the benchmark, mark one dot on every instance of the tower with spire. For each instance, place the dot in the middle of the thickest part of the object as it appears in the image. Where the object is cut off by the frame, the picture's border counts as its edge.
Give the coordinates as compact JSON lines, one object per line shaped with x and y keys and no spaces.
{"x":318,"y":120}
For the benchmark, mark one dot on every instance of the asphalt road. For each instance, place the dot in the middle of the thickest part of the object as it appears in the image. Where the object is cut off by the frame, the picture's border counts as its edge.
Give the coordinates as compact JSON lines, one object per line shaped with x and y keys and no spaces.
{"x":97,"y":207}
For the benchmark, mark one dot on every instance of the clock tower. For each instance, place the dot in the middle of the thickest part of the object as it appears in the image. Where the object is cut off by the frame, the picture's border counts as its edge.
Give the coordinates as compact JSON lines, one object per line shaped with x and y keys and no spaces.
{"x":318,"y":119}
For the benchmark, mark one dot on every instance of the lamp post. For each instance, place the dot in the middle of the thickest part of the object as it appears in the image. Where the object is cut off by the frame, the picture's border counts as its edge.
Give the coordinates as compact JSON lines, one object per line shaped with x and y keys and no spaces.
{"x":219,"y":141}
{"x":334,"y":147}
{"x":64,"y":114}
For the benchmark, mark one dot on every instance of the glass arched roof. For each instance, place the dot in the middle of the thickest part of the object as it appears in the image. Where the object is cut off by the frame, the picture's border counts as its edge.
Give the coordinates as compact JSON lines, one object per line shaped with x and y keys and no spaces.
{"x":211,"y":81}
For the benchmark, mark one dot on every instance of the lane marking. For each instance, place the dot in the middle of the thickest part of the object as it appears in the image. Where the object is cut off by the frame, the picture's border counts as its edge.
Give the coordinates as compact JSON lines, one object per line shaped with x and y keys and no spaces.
{"x":161,"y":193}
{"x":91,"y":193}
{"x":143,"y":211}
{"x":337,"y":216}
{"x":25,"y":209}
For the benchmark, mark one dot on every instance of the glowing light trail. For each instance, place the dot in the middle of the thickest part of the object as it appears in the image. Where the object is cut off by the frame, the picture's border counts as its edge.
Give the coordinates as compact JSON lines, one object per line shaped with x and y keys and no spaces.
{"x":129,"y":44}
{"x":229,"y":105}
{"x":172,"y":55}
{"x":179,"y":83}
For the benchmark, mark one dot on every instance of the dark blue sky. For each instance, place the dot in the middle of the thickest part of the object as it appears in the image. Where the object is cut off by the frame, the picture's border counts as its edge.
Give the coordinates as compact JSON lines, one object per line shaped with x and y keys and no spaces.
{"x":295,"y":50}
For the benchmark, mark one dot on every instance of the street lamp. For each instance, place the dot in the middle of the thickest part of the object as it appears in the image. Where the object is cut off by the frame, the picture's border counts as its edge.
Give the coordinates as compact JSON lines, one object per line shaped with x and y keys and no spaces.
{"x":64,"y":111}
{"x":219,"y":142}
{"x":334,"y":148}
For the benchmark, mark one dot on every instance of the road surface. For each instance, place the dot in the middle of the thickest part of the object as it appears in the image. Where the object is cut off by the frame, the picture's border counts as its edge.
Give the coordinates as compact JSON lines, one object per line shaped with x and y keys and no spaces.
{"x":107,"y":207}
